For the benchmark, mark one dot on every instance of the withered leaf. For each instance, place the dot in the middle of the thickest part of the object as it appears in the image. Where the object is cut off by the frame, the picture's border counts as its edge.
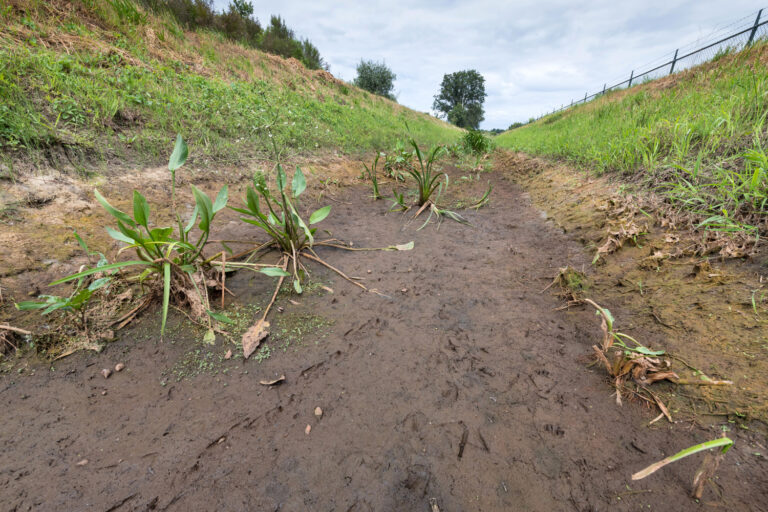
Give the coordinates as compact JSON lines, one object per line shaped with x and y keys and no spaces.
{"x":272,"y":382}
{"x":253,"y":337}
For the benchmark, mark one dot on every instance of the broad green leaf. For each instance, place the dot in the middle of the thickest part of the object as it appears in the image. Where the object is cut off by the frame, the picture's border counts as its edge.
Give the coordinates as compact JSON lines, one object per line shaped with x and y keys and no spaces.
{"x":80,"y":298}
{"x":192,"y":220}
{"x":220,"y":317}
{"x":297,"y":286}
{"x":121,"y":216}
{"x":319,"y":215}
{"x":56,"y":305}
{"x":30,"y":305}
{"x":129,"y":232}
{"x":160,"y":234}
{"x":299,"y":183}
{"x":648,"y":352}
{"x":221,"y":199}
{"x":99,"y":283}
{"x":274,"y":272}
{"x":119,"y":236}
{"x":298,"y":220}
{"x":252,"y":200}
{"x":166,"y":294}
{"x":179,"y":155}
{"x":205,"y":207}
{"x":98,"y":269}
{"x":140,"y":209}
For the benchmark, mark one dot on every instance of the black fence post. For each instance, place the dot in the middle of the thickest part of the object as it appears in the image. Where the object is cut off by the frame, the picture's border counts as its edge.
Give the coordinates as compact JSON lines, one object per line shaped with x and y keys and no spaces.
{"x":674,"y":60}
{"x":632,"y":74}
{"x":604,"y":88}
{"x":754,"y":29}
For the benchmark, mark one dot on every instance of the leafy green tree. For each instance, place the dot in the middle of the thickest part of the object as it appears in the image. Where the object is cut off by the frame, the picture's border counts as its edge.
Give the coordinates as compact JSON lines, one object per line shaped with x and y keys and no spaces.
{"x":310,"y":56}
{"x":243,"y":7}
{"x":461,"y":98}
{"x":375,"y":77}
{"x":280,"y":40}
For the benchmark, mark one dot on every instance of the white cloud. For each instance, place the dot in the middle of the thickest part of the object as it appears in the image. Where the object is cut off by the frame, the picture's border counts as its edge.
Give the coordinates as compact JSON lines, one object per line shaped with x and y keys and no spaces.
{"x":534,"y":54}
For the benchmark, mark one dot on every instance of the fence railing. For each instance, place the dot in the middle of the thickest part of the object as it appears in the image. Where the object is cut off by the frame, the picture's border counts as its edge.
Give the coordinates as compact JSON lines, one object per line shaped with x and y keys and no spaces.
{"x":745,"y":34}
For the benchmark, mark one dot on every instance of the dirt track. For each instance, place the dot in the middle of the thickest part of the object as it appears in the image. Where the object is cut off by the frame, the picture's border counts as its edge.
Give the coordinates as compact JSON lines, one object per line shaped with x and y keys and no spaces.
{"x":468,"y":347}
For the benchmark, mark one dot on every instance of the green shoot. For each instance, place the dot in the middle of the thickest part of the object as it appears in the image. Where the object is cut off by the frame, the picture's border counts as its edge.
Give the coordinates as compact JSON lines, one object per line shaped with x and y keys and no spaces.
{"x":723,"y":443}
{"x":371,"y":172}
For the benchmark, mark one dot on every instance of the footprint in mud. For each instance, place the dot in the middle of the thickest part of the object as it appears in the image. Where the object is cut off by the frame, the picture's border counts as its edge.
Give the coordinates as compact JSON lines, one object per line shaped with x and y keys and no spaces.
{"x":555,"y":430}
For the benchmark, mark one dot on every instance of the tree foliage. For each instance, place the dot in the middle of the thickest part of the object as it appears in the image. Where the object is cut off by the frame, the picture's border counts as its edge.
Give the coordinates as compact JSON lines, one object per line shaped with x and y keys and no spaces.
{"x":238,"y":23}
{"x":461,"y":98}
{"x":375,"y":77}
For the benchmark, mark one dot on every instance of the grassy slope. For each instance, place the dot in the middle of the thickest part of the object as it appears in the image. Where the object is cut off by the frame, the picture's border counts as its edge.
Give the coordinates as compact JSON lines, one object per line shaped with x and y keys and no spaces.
{"x":697,"y":136}
{"x":78,"y":79}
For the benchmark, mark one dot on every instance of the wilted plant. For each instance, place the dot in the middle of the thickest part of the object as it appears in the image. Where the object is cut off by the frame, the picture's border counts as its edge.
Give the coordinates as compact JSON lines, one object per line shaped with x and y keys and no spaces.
{"x":706,"y":470}
{"x":176,"y":261}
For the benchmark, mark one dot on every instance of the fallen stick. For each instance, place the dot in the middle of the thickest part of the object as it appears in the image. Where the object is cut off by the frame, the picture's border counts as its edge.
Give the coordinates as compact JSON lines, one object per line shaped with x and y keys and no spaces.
{"x":687,"y":382}
{"x":7,"y":327}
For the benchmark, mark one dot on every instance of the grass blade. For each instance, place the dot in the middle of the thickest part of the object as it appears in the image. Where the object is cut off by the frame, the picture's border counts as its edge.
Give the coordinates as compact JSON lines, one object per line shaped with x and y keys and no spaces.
{"x":166,"y":294}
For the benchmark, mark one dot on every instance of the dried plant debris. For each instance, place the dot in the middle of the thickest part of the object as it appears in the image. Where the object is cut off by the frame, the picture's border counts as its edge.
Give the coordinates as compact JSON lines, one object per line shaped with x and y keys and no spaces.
{"x":571,"y":282}
{"x":628,"y":361}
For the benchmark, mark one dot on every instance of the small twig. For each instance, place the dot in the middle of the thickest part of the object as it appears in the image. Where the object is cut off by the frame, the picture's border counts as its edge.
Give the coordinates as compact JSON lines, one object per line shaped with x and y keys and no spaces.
{"x":126,"y":318}
{"x":223,"y":277}
{"x":284,"y":264}
{"x":7,"y":327}
{"x":703,"y":382}
{"x":342,"y":274}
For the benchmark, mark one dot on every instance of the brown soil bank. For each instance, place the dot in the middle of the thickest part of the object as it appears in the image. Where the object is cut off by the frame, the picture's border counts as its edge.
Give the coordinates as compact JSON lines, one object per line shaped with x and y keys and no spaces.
{"x":669,"y":285}
{"x":466,"y":391}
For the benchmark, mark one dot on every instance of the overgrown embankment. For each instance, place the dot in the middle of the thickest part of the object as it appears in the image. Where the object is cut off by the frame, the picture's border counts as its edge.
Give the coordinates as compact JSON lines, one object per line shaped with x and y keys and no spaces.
{"x":82,"y":83}
{"x":696,"y":137}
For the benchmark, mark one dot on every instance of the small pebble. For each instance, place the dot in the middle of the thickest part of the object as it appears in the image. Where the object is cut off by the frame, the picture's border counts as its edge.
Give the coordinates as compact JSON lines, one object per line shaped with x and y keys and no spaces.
{"x":404,"y":290}
{"x":228,"y":355}
{"x":308,"y":429}
{"x":318,"y":412}
{"x":369,"y":271}
{"x":103,"y":393}
{"x":82,"y":462}
{"x":119,"y":367}
{"x":106,"y":373}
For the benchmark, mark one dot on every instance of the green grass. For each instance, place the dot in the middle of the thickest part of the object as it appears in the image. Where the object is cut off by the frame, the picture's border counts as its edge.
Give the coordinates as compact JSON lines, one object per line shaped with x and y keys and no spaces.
{"x":700,"y":141}
{"x":112,"y":95}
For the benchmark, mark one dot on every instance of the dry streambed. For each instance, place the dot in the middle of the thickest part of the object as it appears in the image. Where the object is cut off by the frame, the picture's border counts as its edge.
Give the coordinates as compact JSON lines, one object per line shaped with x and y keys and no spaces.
{"x":467,"y":389}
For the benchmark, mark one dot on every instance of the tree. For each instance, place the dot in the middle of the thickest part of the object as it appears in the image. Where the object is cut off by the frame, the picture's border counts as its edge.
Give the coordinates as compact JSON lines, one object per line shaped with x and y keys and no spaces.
{"x":243,"y":7}
{"x":375,"y":77}
{"x":461,"y":98}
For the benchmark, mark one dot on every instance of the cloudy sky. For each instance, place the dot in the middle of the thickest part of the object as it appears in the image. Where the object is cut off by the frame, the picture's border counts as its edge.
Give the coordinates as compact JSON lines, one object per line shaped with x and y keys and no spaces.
{"x":534,"y":54}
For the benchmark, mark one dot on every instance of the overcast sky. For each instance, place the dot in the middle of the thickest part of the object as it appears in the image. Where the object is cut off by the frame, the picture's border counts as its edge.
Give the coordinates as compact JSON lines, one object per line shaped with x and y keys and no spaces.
{"x":534,"y":54}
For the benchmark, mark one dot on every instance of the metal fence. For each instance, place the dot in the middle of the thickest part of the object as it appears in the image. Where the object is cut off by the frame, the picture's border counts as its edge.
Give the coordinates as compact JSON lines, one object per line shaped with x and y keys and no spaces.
{"x":741,"y":33}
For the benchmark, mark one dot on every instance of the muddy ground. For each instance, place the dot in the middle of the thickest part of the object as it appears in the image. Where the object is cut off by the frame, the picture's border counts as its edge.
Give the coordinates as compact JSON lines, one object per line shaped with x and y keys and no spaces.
{"x":467,"y":390}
